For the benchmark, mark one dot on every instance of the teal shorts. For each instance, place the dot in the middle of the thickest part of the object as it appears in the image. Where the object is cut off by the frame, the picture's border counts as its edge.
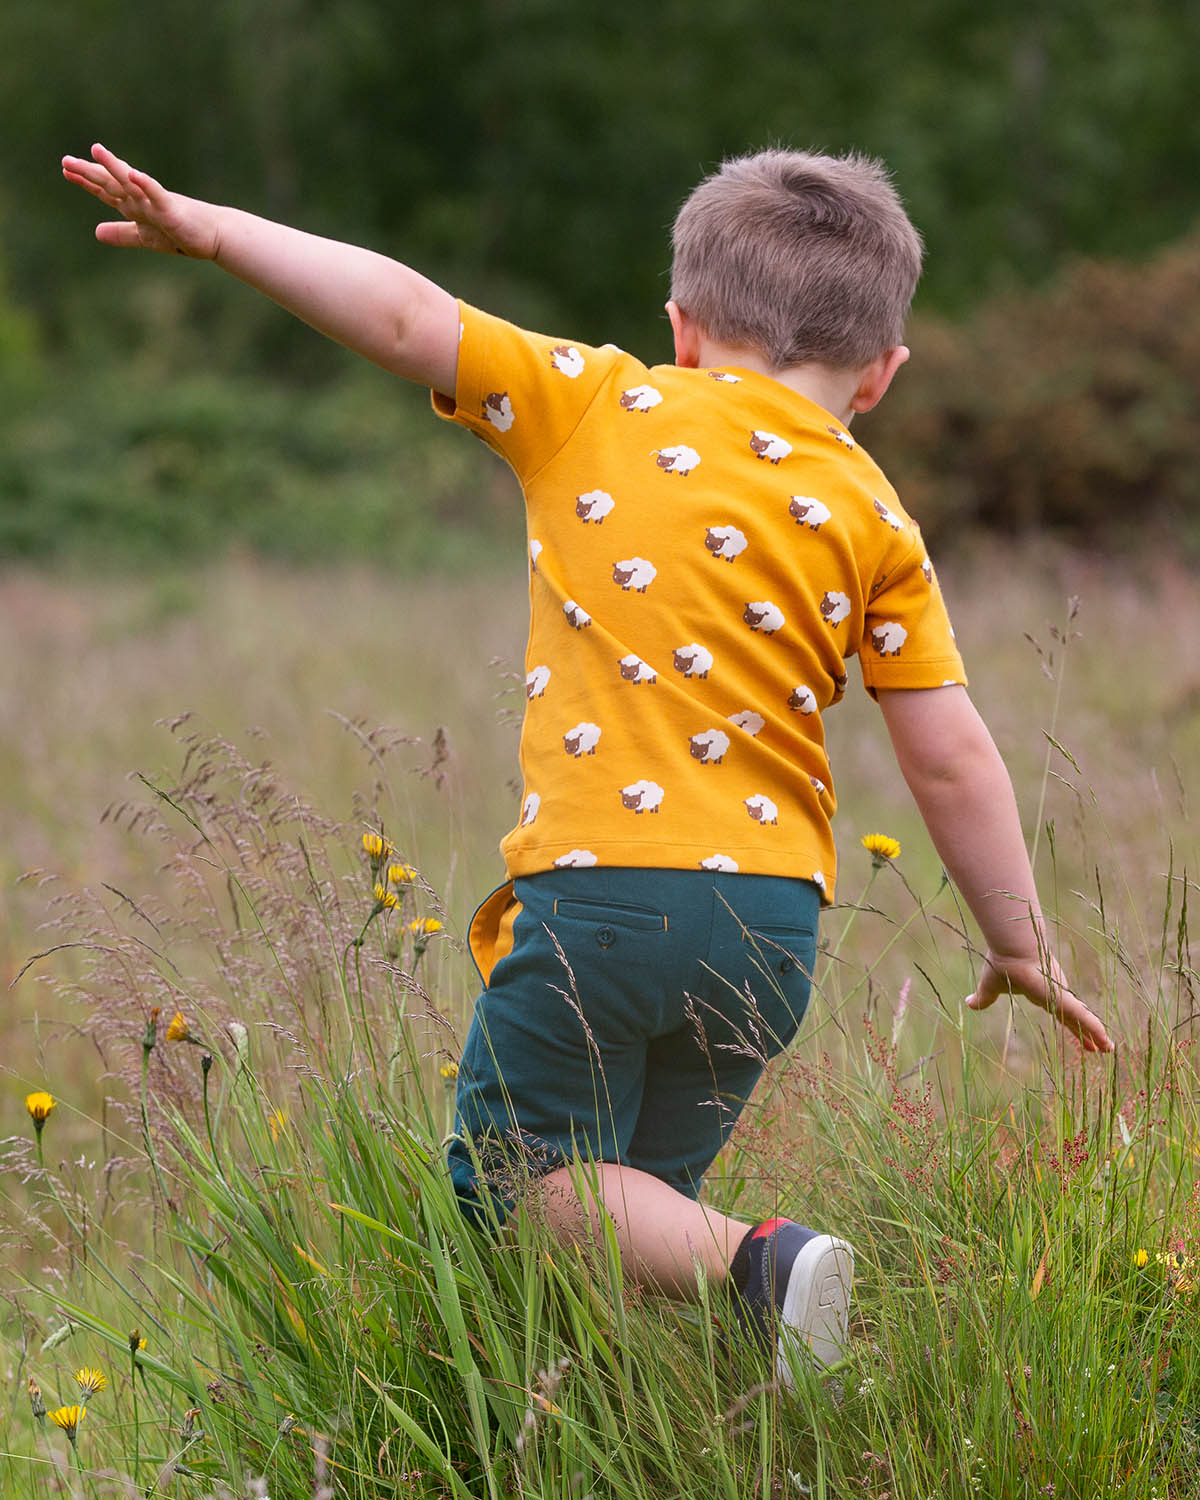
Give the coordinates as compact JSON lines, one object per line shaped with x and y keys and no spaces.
{"x":629,"y":1023}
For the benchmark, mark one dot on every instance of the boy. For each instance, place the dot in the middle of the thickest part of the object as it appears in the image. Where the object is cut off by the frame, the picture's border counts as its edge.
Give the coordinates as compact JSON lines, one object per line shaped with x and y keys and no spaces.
{"x":707,"y":545}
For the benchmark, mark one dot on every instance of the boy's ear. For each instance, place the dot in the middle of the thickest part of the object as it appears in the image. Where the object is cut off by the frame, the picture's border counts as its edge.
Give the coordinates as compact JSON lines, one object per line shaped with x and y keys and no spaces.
{"x":688,"y":335}
{"x":875,"y":379}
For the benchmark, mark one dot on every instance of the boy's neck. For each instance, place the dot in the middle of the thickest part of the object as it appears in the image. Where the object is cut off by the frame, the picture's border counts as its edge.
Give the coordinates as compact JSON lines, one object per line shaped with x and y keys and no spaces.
{"x":834,"y":390}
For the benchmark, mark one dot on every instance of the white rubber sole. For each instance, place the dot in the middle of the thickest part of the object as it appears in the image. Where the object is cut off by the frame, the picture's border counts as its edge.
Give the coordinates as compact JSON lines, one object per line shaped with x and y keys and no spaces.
{"x":816,"y":1305}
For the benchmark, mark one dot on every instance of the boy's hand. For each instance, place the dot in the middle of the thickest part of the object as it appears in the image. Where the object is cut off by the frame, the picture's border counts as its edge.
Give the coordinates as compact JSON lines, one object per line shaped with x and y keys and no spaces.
{"x":1045,"y":985}
{"x":156,"y":219}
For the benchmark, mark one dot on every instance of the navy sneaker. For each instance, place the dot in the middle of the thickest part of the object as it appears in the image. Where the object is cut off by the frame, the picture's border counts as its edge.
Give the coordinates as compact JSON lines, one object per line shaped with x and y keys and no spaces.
{"x":798,"y":1293}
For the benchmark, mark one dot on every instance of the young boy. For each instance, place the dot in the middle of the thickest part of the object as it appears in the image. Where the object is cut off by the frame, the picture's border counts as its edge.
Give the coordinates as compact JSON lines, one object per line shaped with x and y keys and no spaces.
{"x":707,"y":546}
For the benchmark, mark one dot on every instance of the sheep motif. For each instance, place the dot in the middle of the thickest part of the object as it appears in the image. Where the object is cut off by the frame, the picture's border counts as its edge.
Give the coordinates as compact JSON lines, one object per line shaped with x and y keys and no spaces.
{"x":889,"y":517}
{"x":803,"y":700}
{"x":725,"y":378}
{"x":634,"y":669}
{"x":693,"y":660}
{"x":764,"y":616}
{"x":567,"y":360}
{"x":642,"y":796}
{"x":835,"y":607}
{"x":582,"y":740}
{"x":927,"y":569}
{"x":818,"y":880}
{"x":634,"y":573}
{"x":536,"y":682}
{"x":720,"y":862}
{"x":770,"y":446}
{"x":497,"y":409}
{"x":593,"y":506}
{"x":889,"y":637}
{"x":530,"y":809}
{"x":748,"y":720}
{"x":844,"y":438}
{"x":576,"y":615}
{"x":806,"y":511}
{"x":640,"y":398}
{"x":818,"y":785}
{"x":535,"y":551}
{"x":678,"y":460}
{"x":839,"y":685}
{"x":577,"y":859}
{"x":762,"y":809}
{"x":709,"y":747}
{"x":725,"y":541}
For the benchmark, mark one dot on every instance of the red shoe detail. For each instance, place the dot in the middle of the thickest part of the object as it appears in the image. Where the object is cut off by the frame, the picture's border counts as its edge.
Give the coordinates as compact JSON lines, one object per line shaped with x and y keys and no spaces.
{"x":769,"y":1226}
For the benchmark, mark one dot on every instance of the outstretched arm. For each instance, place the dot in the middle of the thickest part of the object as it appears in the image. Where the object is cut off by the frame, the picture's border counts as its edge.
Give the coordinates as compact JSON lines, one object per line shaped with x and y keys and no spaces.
{"x":964,"y":794}
{"x":375,"y":306}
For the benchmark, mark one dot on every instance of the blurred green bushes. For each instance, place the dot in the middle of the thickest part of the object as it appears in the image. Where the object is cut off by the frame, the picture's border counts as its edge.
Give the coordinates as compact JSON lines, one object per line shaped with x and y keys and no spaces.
{"x":1069,"y":410}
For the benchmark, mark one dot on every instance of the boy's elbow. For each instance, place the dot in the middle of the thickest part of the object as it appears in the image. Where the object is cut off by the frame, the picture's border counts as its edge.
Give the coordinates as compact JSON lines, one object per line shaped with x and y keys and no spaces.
{"x":938,"y":736}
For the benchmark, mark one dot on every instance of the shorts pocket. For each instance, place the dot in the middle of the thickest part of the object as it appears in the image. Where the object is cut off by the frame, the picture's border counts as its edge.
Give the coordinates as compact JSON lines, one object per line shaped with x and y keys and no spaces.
{"x":610,"y":930}
{"x":779,"y":976}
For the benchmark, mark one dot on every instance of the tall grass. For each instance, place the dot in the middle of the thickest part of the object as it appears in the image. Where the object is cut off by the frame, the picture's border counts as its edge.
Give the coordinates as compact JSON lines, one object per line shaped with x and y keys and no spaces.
{"x":246,"y":1173}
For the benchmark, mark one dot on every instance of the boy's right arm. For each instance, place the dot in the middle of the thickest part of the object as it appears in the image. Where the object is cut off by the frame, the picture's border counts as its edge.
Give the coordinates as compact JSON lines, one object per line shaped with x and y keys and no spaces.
{"x":965,"y":797}
{"x":383,"y":310}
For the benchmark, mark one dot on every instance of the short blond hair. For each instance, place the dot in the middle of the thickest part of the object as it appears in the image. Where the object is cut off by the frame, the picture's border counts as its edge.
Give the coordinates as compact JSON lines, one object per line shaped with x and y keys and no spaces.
{"x":802,"y":257}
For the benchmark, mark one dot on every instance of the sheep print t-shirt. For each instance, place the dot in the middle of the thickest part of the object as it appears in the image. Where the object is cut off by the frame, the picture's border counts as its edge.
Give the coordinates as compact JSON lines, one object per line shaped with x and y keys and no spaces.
{"x":707,"y":548}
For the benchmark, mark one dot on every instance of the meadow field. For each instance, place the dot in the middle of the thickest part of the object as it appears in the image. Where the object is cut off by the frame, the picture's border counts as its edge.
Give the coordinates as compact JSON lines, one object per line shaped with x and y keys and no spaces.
{"x":234,"y":1267}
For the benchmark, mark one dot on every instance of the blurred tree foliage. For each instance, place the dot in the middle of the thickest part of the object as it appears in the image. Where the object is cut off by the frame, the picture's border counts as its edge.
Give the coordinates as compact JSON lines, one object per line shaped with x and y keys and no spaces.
{"x":530,"y":156}
{"x":531,"y":153}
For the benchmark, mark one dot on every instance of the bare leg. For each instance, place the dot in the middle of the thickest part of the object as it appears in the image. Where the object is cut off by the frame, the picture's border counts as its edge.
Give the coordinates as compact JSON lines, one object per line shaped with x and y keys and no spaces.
{"x":663,"y":1235}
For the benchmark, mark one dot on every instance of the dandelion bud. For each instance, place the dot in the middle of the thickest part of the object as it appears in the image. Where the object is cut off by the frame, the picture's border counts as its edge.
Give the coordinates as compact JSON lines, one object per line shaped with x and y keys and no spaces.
{"x":206,"y":1063}
{"x":136,"y":1342}
{"x":150,"y":1035}
{"x":1140,"y":1259}
{"x":37,"y":1405}
{"x":187,"y":1428}
{"x":286,"y":1425}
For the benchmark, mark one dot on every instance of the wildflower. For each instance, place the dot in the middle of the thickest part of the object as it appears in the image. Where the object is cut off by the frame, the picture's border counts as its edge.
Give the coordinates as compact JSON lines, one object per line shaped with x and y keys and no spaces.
{"x":136,"y":1342}
{"x":39,"y":1106}
{"x":401,"y":874}
{"x":277,"y":1122}
{"x":449,"y":1071}
{"x":90,"y":1381}
{"x":187,"y":1428}
{"x":882,"y":848}
{"x":179,"y":1030}
{"x":69,"y":1418}
{"x":424,"y":927}
{"x":150,"y":1035}
{"x":373,"y":845}
{"x":1140,"y":1259}
{"x":385,"y":900}
{"x":36,"y":1404}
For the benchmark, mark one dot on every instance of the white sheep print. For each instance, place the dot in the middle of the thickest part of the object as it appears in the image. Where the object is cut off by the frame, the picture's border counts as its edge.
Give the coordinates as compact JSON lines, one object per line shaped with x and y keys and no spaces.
{"x":707,"y":550}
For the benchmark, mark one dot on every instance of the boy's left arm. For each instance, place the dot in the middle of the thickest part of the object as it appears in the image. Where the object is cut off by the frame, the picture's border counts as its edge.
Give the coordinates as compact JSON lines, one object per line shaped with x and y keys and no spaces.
{"x":964,"y":794}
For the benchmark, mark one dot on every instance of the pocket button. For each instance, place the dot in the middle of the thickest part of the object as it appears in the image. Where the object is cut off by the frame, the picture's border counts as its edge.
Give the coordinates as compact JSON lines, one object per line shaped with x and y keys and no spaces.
{"x":606,"y":936}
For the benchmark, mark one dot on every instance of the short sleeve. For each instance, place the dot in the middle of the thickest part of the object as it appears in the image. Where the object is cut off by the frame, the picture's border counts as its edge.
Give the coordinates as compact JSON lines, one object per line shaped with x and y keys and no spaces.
{"x":522,"y":393}
{"x":908,"y":641}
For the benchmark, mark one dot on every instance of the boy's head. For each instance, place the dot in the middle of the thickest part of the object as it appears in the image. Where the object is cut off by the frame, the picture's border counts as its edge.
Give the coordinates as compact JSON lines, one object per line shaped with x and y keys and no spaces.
{"x":804,"y":258}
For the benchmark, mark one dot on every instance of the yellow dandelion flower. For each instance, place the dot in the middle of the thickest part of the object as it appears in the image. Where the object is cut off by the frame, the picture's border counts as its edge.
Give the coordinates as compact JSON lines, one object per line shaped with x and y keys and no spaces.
{"x":374,"y":845}
{"x":39,"y":1106}
{"x":69,"y":1418}
{"x":90,"y":1381}
{"x":881,"y":847}
{"x":424,"y":926}
{"x":401,"y":874}
{"x":1141,"y":1259}
{"x":385,"y":900}
{"x":449,"y":1071}
{"x":179,"y":1030}
{"x":277,"y":1123}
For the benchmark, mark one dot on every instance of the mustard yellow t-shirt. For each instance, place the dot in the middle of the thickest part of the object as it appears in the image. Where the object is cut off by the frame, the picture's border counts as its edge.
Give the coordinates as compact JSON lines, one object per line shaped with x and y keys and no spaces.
{"x":707,"y":548}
